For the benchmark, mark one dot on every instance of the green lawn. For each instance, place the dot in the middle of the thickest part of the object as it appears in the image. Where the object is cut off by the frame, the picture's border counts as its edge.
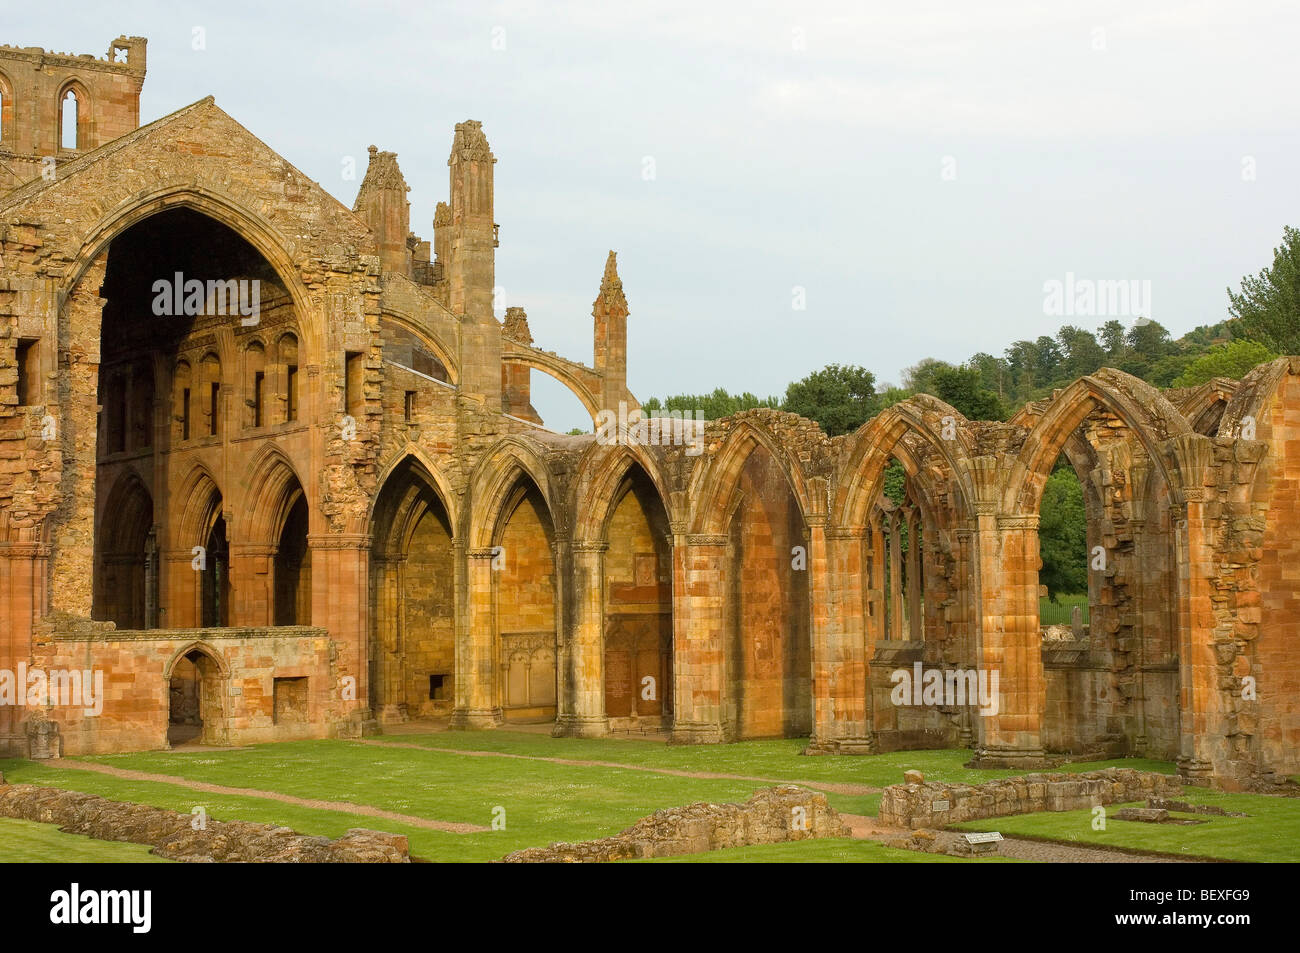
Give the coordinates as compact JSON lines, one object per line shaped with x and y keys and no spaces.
{"x":1270,"y":834}
{"x":31,"y":842}
{"x":543,"y":802}
{"x":1059,"y":612}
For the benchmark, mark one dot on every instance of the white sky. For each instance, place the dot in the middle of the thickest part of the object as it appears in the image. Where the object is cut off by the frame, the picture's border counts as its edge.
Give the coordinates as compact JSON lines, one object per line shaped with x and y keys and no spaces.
{"x":794,"y":144}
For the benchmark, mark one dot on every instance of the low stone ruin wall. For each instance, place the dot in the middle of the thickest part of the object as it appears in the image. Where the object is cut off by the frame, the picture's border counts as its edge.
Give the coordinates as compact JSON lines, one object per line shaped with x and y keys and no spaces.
{"x":172,"y":836}
{"x":772,"y":816}
{"x":933,"y":804}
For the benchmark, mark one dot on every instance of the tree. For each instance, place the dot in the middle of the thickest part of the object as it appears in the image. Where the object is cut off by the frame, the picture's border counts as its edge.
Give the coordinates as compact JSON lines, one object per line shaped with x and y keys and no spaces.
{"x":1082,"y":355}
{"x":961,"y":387}
{"x":1268,"y":308}
{"x":919,"y":378}
{"x":1063,"y":535}
{"x":840,"y":398}
{"x":1233,"y":360}
{"x":712,"y":406}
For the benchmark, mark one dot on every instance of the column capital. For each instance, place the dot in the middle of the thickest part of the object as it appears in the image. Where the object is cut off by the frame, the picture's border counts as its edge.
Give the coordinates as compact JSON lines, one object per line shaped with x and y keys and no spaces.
{"x":1017,"y":521}
{"x":339,"y":541}
{"x":707,"y":539}
{"x":589,"y":546}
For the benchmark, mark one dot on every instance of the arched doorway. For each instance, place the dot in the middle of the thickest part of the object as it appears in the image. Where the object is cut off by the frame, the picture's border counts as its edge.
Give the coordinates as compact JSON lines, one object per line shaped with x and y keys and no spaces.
{"x":412,"y":652}
{"x":769,"y":652}
{"x":638,"y":608}
{"x":293,"y":567}
{"x":194,"y":712}
{"x":125,"y":588}
{"x":214,"y":569}
{"x":524,"y":586}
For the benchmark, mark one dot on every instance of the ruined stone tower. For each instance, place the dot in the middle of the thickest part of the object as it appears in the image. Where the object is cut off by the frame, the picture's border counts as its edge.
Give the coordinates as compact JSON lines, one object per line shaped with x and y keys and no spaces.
{"x":56,"y":105}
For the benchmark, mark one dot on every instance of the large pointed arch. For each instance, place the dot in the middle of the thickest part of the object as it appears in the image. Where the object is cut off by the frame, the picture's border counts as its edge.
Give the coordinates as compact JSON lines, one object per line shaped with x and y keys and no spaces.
{"x":863,"y":470}
{"x":1142,"y":408}
{"x":712,"y":486}
{"x":494,"y":480}
{"x":269,"y":491}
{"x":603,"y":469}
{"x":253,"y":228}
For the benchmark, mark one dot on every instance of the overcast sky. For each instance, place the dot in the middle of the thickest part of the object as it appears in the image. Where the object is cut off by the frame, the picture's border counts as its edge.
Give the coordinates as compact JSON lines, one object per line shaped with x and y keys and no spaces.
{"x":919,"y":169}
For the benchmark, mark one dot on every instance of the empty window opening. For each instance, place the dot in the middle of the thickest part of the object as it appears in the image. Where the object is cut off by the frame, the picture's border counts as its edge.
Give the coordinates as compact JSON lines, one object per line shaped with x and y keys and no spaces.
{"x":185,"y":414}
{"x":408,"y":409}
{"x":68,"y":137}
{"x":438,"y":687}
{"x":259,"y":385}
{"x":291,"y":379}
{"x":28,"y":373}
{"x":214,"y":422}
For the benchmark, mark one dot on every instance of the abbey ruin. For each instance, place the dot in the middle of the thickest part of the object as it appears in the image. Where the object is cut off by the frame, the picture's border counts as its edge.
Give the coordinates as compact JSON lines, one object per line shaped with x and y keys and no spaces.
{"x":338,"y":510}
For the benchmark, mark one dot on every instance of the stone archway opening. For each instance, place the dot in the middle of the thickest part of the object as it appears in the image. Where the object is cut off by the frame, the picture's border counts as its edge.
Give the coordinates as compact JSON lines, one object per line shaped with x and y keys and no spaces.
{"x":125,"y":589}
{"x":1107,"y":597}
{"x":412,"y":651}
{"x":524,"y":585}
{"x":638,"y":662}
{"x":183,"y":294}
{"x":768,"y":645}
{"x":293,"y":567}
{"x":194,"y":714}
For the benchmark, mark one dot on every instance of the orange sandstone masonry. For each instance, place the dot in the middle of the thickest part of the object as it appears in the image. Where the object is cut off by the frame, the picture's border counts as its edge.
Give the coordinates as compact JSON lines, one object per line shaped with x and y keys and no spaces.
{"x":346,"y":514}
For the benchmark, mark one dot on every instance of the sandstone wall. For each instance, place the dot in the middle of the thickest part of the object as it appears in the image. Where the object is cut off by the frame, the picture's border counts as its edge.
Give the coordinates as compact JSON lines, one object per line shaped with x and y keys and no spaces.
{"x":934,"y":804}
{"x":173,"y":836}
{"x":773,"y":816}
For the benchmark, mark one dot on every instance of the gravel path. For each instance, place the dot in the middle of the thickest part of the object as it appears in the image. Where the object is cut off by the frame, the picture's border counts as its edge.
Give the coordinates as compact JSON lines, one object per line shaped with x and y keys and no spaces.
{"x":346,"y":807}
{"x":834,"y":787}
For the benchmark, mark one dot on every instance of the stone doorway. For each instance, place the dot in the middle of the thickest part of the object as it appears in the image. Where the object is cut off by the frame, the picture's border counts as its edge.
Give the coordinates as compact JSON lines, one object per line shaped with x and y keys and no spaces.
{"x":194,"y":701}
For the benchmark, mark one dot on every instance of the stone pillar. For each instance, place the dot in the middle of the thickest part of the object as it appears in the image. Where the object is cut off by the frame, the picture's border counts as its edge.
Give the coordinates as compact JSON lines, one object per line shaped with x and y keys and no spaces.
{"x":699,"y":667}
{"x":478,"y":702}
{"x":24,"y":568}
{"x":840,"y":697}
{"x":1203,"y":729}
{"x":876,"y":592}
{"x":897,"y":631}
{"x":915,"y":629}
{"x":252,"y":585}
{"x":582,"y":692}
{"x":1010,"y":642}
{"x":72,"y":536}
{"x":340,"y":570}
{"x":181,"y":587}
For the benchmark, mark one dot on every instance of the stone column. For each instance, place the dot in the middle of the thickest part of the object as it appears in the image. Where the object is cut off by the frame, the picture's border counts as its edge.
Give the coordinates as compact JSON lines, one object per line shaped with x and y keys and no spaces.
{"x":840,"y":697}
{"x":478,"y":702}
{"x":876,"y":629}
{"x":24,"y":568}
{"x":915,"y":629}
{"x":1203,"y":729}
{"x":699,"y":666}
{"x":897,"y":631}
{"x":72,"y":536}
{"x":182,"y":584}
{"x":252,"y":584}
{"x":340,"y":569}
{"x":582,"y":692}
{"x":1010,"y":641}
